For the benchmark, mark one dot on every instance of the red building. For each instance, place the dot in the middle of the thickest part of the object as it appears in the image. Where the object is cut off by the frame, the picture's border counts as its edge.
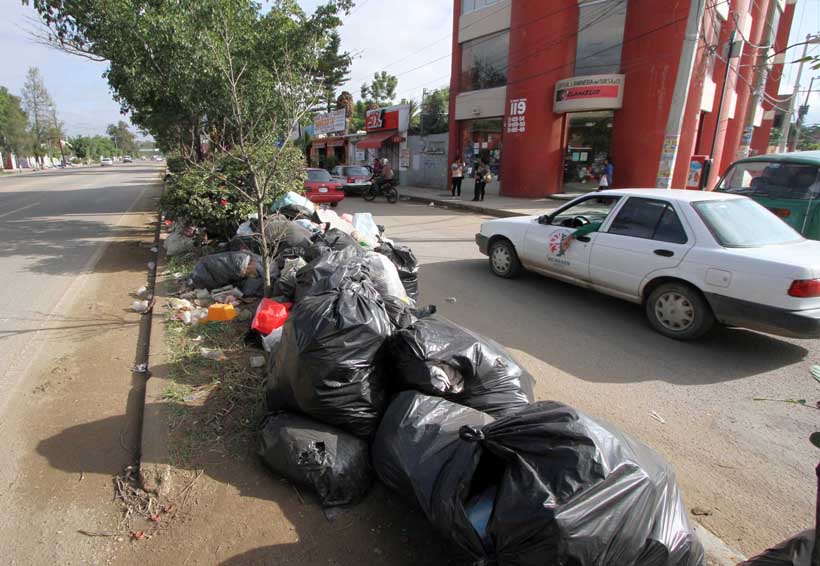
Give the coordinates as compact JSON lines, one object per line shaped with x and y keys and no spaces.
{"x":545,"y":91}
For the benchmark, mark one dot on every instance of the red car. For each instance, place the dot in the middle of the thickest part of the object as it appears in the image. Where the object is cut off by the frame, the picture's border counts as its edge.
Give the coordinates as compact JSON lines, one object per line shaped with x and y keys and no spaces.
{"x":321,"y":188}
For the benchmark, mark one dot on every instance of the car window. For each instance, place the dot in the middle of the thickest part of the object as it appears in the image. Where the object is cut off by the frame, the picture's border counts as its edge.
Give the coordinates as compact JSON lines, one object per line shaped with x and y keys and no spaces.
{"x":772,"y":179}
{"x":318,"y":175}
{"x":356,"y":172}
{"x":594,"y":210}
{"x":649,"y":219}
{"x":743,"y":223}
{"x":337,"y":171}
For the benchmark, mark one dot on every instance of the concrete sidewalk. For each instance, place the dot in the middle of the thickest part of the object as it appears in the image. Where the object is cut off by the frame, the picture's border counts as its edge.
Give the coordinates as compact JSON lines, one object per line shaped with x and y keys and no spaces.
{"x":492,"y":205}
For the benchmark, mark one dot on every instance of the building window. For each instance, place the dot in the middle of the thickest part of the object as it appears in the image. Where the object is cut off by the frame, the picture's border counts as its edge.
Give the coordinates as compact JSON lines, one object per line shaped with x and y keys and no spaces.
{"x":481,"y":140}
{"x":468,"y":6}
{"x":600,"y":37}
{"x":484,"y":61}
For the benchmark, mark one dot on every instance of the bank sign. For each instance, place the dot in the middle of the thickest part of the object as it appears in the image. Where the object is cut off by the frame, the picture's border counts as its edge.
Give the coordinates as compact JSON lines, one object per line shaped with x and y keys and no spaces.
{"x":593,"y":92}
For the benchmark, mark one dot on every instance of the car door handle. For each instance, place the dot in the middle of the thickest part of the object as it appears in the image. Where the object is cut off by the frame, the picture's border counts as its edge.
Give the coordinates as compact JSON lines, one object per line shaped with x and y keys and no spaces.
{"x":664,"y":253}
{"x":583,"y":238}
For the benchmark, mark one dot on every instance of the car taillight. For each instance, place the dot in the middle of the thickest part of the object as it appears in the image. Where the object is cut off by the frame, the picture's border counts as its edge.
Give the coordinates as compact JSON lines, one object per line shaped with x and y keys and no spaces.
{"x":805,"y":288}
{"x":781,"y":212}
{"x":351,"y":180}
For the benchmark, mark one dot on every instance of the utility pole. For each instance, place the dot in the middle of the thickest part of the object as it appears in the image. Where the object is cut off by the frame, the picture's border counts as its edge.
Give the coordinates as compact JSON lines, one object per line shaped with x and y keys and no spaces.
{"x":730,"y":53}
{"x":784,"y":140}
{"x":421,"y":111}
{"x":801,"y":114}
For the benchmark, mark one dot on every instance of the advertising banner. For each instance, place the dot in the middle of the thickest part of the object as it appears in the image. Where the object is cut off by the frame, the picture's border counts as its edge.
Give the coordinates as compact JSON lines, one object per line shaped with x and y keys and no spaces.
{"x":330,"y":122}
{"x":594,"y":92}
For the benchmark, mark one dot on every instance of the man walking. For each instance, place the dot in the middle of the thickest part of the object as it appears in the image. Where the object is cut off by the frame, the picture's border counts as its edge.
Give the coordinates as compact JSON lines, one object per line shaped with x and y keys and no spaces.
{"x":606,"y":175}
{"x":457,"y":175}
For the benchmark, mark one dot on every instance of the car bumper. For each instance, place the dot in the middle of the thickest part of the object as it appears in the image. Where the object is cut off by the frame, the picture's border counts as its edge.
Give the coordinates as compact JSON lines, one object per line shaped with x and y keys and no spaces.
{"x":765,"y":318}
{"x":319,"y":198}
{"x":482,"y":242}
{"x":356,"y":188}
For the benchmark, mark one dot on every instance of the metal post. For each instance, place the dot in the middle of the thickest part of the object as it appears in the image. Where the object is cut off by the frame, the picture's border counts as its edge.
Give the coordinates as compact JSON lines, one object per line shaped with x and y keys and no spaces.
{"x":801,"y":115}
{"x":730,"y":53}
{"x":784,"y":140}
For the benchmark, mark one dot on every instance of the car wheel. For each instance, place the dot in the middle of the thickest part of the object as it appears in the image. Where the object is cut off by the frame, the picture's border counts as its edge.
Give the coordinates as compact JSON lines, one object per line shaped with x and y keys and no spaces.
{"x":334,"y":204}
{"x":679,"y":311}
{"x":503,"y":259}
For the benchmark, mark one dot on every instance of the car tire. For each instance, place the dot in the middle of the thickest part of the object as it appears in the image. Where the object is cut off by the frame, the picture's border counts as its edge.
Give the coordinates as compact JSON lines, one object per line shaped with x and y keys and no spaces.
{"x":504,"y":260}
{"x":334,"y":204}
{"x":679,"y":311}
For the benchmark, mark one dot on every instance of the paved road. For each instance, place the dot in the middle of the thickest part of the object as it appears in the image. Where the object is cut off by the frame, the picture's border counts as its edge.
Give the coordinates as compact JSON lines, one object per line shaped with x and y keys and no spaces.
{"x":747,"y":464}
{"x":53,"y":228}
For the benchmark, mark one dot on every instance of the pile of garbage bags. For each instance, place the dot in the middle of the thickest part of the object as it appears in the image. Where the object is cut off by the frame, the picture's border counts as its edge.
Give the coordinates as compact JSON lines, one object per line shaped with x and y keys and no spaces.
{"x":796,"y":551}
{"x":362,"y":383}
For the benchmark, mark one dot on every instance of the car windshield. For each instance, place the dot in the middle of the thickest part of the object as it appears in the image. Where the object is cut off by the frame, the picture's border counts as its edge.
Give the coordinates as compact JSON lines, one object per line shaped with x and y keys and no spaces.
{"x":356,"y":172}
{"x":318,"y":175}
{"x":742,"y":223}
{"x":772,"y":179}
{"x":594,"y":210}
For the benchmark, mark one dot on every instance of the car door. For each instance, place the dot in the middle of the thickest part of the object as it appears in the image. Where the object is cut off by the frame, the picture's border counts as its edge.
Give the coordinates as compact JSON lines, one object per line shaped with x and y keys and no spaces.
{"x":646,"y":235}
{"x":550,"y":245}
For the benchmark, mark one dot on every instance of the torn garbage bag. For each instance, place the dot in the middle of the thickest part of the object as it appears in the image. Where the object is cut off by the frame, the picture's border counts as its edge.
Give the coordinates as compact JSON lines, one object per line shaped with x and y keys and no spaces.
{"x":330,"y":362}
{"x":333,"y":463}
{"x":548,"y":481}
{"x":402,"y":314}
{"x":405,"y":261}
{"x":385,"y":276}
{"x":293,"y":205}
{"x":438,"y":357}
{"x":793,"y":552}
{"x":228,"y":268}
{"x":286,"y":283}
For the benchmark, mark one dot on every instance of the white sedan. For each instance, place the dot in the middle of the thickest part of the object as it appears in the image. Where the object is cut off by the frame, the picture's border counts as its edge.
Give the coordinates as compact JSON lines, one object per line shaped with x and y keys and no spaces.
{"x":690,"y":257}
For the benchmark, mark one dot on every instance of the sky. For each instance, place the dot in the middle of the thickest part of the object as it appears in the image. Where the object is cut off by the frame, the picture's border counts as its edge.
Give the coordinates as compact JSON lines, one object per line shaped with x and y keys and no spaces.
{"x":408,"y":38}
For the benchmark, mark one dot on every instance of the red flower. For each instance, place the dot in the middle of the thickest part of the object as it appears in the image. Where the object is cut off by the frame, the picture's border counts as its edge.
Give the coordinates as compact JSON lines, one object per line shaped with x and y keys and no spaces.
{"x":223,"y":203}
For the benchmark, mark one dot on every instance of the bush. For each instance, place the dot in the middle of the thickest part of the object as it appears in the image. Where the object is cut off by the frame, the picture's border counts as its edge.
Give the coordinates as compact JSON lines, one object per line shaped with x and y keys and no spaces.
{"x":176,"y":165}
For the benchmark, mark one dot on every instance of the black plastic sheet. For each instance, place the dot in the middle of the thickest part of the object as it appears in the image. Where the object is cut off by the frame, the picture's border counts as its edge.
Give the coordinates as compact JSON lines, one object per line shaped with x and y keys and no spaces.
{"x":438,"y":357}
{"x":333,"y":463}
{"x":228,"y":268}
{"x":567,"y":489}
{"x":794,"y":552}
{"x":330,"y":363}
{"x":405,"y":261}
{"x":328,"y":272}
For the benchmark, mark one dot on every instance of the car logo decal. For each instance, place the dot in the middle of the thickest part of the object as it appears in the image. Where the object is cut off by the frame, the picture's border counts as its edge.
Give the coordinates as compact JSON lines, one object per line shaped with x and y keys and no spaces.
{"x":559,"y":242}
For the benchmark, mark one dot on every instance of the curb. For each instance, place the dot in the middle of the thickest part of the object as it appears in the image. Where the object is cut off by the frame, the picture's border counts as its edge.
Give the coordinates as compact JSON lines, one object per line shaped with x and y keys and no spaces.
{"x":155,"y":467}
{"x":497,"y":212}
{"x":718,"y":553}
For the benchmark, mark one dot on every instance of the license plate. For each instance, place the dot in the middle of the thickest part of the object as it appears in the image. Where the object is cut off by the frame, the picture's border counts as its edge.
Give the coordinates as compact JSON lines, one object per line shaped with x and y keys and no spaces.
{"x":322,"y":189}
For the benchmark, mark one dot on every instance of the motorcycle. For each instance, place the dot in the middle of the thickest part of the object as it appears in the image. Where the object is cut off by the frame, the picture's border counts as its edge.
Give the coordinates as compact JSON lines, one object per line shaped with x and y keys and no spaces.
{"x":386,"y":189}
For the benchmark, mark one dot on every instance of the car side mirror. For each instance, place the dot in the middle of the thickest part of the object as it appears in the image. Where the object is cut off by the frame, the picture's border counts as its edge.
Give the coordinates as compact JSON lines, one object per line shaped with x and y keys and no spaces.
{"x":544,"y":219}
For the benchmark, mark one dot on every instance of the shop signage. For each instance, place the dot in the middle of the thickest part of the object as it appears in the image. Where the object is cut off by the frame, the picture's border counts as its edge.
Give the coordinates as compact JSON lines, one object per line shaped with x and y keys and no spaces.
{"x":404,"y":158}
{"x":516,"y":119}
{"x":330,"y":122}
{"x":392,"y":118}
{"x":593,"y":92}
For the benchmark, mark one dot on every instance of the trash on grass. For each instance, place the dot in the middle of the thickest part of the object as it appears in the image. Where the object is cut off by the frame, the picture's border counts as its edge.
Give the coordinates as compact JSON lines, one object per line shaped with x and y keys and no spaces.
{"x":220,"y":312}
{"x":141,"y":291}
{"x":151,"y":266}
{"x":140,"y":368}
{"x":257,"y":361}
{"x":270,"y":315}
{"x":140,"y":306}
{"x":215,"y":355}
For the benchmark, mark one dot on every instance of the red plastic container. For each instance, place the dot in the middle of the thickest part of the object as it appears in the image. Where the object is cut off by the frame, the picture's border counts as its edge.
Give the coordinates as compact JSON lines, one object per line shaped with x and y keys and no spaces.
{"x":270,"y":315}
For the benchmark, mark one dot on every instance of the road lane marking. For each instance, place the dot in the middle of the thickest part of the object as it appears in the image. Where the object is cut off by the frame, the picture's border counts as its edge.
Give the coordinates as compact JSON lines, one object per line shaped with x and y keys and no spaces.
{"x":22,"y":208}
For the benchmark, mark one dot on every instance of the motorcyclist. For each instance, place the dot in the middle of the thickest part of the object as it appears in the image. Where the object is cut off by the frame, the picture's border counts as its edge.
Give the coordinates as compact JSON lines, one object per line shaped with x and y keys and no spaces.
{"x":386,"y":174}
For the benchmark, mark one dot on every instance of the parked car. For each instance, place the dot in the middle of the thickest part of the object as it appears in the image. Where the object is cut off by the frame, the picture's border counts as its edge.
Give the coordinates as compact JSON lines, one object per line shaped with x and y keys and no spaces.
{"x":127,"y":159}
{"x":788,"y":184}
{"x":106,"y":162}
{"x":354,"y":178}
{"x":691,"y":258}
{"x":321,"y":188}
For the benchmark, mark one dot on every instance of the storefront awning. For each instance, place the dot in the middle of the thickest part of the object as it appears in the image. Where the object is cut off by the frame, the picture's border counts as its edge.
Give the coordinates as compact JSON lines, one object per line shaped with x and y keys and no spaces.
{"x":374,"y":141}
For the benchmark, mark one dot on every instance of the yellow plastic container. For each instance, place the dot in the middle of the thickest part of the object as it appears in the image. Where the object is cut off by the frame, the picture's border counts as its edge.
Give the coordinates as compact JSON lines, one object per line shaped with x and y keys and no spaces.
{"x":219,"y":312}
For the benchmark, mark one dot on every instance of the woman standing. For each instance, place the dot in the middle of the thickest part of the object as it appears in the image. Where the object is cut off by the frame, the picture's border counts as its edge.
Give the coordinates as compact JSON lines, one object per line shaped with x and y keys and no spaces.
{"x":482,"y":177}
{"x":457,"y":174}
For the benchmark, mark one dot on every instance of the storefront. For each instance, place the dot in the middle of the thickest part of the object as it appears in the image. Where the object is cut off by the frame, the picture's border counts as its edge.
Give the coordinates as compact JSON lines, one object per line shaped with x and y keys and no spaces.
{"x":387,"y":136}
{"x":328,"y":152}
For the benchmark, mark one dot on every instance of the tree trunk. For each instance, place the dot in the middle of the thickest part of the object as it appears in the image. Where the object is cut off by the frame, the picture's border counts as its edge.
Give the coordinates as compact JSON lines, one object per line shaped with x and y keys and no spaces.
{"x":260,"y":210}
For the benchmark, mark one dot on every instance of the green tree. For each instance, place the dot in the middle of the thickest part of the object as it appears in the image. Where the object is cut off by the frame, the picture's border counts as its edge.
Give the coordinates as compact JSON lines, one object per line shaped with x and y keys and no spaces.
{"x":41,"y":112}
{"x":382,"y":90}
{"x":809,"y":138}
{"x":333,"y":70}
{"x":91,"y":148}
{"x":435,"y":111}
{"x":13,"y":135}
{"x":123,"y":138}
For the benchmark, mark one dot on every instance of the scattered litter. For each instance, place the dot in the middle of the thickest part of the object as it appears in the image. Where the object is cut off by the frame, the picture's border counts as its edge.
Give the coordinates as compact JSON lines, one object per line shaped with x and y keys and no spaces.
{"x":657,"y":417}
{"x":154,"y":249}
{"x":801,"y":402}
{"x":432,"y":204}
{"x":257,"y":361}
{"x":179,"y":304}
{"x":140,"y":368}
{"x":141,"y":291}
{"x":222,"y":294}
{"x":197,"y":339}
{"x":138,"y":535}
{"x":451,"y":300}
{"x":140,"y":306}
{"x":244,"y":314}
{"x":701,"y":512}
{"x":151,"y":266}
{"x":272,"y":340}
{"x":270,"y":315}
{"x":221,"y":312}
{"x":201,"y":294}
{"x":215,"y":355}
{"x":96,"y":533}
{"x":177,"y":275}
{"x":815,"y":372}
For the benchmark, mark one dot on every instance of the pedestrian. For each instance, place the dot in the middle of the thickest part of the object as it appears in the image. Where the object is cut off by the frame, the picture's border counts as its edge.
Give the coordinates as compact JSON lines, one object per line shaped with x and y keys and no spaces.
{"x":606,"y":175}
{"x":482,"y":177}
{"x":457,"y":175}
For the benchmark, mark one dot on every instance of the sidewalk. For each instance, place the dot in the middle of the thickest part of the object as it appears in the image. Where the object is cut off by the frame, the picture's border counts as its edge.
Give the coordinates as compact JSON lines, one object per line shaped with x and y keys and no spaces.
{"x":492,"y":205}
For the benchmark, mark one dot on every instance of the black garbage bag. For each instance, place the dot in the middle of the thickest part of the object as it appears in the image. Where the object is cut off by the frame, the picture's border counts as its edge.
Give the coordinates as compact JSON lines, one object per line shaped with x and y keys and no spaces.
{"x":337,"y":240}
{"x":548,"y":481}
{"x":334,"y":464}
{"x":330,"y":362}
{"x":402,"y":314}
{"x":405,"y":261}
{"x":438,"y":357}
{"x":328,"y":272}
{"x":285,"y":237}
{"x":227,"y":268}
{"x":250,"y":244}
{"x":793,"y":552}
{"x":285,"y":285}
